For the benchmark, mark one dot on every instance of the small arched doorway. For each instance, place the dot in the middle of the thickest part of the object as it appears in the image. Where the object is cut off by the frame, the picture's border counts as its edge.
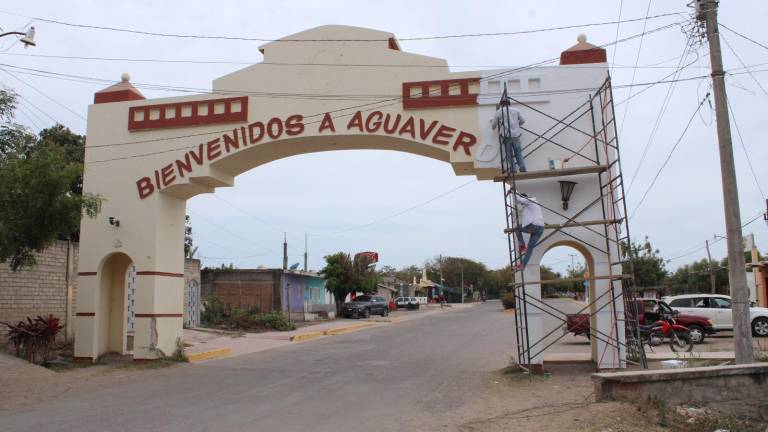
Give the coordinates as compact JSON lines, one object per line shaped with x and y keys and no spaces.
{"x":112,"y":307}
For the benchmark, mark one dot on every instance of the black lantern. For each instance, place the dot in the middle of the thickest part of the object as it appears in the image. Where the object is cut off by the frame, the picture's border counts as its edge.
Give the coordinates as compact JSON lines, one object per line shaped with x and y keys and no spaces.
{"x":566,"y":189}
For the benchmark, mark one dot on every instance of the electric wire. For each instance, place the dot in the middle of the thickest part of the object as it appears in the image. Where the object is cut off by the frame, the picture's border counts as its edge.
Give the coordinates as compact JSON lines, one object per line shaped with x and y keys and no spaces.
{"x":662,"y":110}
{"x":634,"y":73}
{"x":254,"y":39}
{"x":744,"y":65}
{"x":669,"y":156}
{"x":43,"y":94}
{"x":746,"y":153}
{"x":742,"y":36}
{"x":717,"y":239}
{"x":618,"y":26}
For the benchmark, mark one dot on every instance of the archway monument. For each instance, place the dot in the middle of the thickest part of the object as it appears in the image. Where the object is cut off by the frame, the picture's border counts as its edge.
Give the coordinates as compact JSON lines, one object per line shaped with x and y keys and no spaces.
{"x":328,"y":88}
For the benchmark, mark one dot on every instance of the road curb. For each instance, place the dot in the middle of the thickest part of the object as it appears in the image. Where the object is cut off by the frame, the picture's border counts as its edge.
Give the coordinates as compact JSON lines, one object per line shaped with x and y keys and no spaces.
{"x":209,"y":355}
{"x":347,"y":329}
{"x":306,"y":336}
{"x":508,"y":311}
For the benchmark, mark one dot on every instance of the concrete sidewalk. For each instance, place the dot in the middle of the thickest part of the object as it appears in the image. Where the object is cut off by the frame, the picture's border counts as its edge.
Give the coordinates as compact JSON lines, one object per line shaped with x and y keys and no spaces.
{"x":208,"y":344}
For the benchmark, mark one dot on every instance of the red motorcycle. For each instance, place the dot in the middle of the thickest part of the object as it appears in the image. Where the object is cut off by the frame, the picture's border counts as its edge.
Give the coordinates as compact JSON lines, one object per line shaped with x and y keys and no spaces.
{"x":666,"y":328}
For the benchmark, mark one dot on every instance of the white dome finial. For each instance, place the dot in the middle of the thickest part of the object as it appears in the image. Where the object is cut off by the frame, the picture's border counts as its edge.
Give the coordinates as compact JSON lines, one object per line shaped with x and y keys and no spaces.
{"x":581,"y":38}
{"x":125,"y":77}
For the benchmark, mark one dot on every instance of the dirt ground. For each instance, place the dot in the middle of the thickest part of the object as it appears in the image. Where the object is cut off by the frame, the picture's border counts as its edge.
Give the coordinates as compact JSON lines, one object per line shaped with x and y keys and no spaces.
{"x":563,"y":400}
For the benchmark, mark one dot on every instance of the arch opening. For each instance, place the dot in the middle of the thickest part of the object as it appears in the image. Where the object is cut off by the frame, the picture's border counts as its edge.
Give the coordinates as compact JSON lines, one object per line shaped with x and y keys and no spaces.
{"x":113,"y":302}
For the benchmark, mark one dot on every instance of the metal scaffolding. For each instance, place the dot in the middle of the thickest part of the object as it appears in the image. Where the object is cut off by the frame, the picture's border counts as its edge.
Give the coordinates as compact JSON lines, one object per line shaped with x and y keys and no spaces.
{"x":600,"y":151}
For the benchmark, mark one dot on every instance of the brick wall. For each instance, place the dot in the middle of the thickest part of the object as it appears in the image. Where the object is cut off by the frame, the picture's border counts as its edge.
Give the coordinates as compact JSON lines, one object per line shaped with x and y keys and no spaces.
{"x":42,"y":290}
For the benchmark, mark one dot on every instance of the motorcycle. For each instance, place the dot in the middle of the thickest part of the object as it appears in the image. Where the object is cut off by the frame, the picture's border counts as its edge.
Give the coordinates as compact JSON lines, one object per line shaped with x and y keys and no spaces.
{"x":679,"y":336}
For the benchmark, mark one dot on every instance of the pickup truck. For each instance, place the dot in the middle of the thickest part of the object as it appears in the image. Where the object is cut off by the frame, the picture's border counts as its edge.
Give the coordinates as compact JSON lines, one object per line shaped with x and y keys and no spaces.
{"x":649,"y":311}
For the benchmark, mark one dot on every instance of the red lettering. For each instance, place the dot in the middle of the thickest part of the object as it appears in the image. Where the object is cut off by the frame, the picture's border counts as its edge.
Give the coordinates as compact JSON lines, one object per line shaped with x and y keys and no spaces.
{"x":198,"y":157}
{"x":254,"y":138}
{"x":185,"y":165}
{"x":145,"y":187}
{"x":272,"y":122}
{"x":213,"y":149}
{"x":294,"y":125}
{"x":230,"y":142}
{"x":373,"y":126}
{"x":442,"y":135}
{"x":356,"y":121}
{"x":465,"y":140}
{"x":408,"y":127}
{"x":327,"y":123}
{"x":242,"y":134}
{"x":157,"y":180}
{"x":424,"y":133}
{"x":390,"y":129}
{"x":168,"y":175}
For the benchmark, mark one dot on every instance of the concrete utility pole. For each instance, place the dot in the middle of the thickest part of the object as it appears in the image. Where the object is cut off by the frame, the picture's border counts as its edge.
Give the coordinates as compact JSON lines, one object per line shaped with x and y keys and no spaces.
{"x":712,"y":278}
{"x":305,"y":251}
{"x":706,"y":10}
{"x":462,"y":282}
{"x":285,"y":251}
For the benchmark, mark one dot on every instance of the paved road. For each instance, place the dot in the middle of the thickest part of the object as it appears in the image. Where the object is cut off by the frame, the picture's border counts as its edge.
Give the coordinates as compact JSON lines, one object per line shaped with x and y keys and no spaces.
{"x":387,"y":378}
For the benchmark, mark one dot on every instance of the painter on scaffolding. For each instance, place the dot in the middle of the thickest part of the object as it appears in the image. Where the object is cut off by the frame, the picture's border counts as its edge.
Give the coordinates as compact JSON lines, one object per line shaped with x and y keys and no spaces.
{"x":531,"y":222}
{"x":510,"y":132}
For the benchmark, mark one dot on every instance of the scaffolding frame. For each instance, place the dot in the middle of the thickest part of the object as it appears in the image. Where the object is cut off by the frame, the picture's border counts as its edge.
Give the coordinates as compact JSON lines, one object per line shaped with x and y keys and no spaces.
{"x":615,"y":227}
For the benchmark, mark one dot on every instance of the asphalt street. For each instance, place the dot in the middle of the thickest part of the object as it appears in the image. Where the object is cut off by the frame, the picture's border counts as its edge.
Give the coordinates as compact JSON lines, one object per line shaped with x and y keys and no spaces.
{"x":387,"y":378}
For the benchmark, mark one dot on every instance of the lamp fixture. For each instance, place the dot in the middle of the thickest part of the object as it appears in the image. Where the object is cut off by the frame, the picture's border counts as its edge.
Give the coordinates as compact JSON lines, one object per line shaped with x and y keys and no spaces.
{"x":566,"y":189}
{"x":28,"y":38}
{"x":115,"y":222}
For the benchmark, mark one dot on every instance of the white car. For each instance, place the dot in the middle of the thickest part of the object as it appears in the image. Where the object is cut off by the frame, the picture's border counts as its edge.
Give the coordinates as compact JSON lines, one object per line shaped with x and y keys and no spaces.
{"x":407,"y":302}
{"x":717,"y":308}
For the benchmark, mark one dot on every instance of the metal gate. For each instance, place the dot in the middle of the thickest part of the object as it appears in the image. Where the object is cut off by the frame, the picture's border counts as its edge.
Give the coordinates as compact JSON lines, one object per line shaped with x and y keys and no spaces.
{"x":131,"y":298}
{"x":192,"y":304}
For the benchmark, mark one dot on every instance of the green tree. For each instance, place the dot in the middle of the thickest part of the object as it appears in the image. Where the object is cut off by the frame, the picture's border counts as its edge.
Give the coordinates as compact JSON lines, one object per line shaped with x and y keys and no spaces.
{"x":649,"y":266}
{"x":343,"y":275}
{"x":339,"y":277}
{"x":37,"y":200}
{"x":189,"y":247}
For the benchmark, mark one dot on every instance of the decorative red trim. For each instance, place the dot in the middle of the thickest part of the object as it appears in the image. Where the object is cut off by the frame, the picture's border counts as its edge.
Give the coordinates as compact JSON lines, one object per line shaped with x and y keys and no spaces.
{"x":160,"y":315}
{"x":155,"y":273}
{"x":595,"y":55}
{"x":85,"y":314}
{"x":444,"y":99}
{"x":86,"y":274}
{"x":194,"y":118}
{"x":116,"y":96}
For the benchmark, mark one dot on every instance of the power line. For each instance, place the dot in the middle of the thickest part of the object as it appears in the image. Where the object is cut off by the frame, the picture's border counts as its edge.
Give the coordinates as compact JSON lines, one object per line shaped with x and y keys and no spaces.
{"x":634,"y":72}
{"x":618,"y":26}
{"x":744,"y":66}
{"x":254,"y":39}
{"x":746,"y":153}
{"x":669,"y":156}
{"x":657,"y":123}
{"x":43,"y":94}
{"x":394,"y":215}
{"x":743,"y":36}
{"x":717,"y":239}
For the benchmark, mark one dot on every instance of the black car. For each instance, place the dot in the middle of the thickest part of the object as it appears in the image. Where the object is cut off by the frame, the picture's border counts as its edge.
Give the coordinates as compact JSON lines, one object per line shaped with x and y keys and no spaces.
{"x":365,"y":306}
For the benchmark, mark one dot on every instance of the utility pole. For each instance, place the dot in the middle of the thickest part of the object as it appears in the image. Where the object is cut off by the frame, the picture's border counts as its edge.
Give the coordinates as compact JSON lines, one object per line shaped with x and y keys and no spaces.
{"x":706,"y":11}
{"x":712,"y":279}
{"x":573,"y":264}
{"x":305,"y":251}
{"x":462,"y":282}
{"x":442,"y":281}
{"x":285,"y":251}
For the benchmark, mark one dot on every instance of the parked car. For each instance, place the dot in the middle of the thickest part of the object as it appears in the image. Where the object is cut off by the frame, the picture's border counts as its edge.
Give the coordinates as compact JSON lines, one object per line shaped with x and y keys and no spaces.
{"x":717,"y":308}
{"x":649,"y":311}
{"x":407,"y":302}
{"x":365,"y":306}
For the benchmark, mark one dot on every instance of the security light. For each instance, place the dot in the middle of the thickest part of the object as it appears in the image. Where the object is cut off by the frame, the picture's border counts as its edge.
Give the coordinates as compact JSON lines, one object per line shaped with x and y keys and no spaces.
{"x":566,"y":189}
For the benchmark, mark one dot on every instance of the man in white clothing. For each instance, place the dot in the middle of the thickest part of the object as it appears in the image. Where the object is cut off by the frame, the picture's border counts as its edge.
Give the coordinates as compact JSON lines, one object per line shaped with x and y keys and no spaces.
{"x":510,"y":131}
{"x":532,"y":223}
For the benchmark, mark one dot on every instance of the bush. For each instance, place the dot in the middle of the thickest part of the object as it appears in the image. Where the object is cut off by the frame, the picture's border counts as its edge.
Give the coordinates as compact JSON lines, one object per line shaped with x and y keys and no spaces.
{"x":33,"y":339}
{"x":217,"y":313}
{"x":508,"y":300}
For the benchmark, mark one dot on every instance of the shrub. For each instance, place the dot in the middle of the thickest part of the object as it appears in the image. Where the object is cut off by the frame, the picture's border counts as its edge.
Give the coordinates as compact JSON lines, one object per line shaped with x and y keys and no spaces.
{"x":217,"y":313}
{"x":274,"y":321}
{"x":508,"y":300}
{"x":33,"y":339}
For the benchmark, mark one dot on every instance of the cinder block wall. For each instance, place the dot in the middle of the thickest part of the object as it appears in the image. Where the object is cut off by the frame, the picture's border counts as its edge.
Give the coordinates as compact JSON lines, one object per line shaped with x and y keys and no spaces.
{"x":45,"y":289}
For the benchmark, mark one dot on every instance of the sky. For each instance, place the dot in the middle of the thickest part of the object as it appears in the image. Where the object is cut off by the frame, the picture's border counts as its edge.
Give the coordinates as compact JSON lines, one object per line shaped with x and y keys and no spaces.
{"x":407,"y":207}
